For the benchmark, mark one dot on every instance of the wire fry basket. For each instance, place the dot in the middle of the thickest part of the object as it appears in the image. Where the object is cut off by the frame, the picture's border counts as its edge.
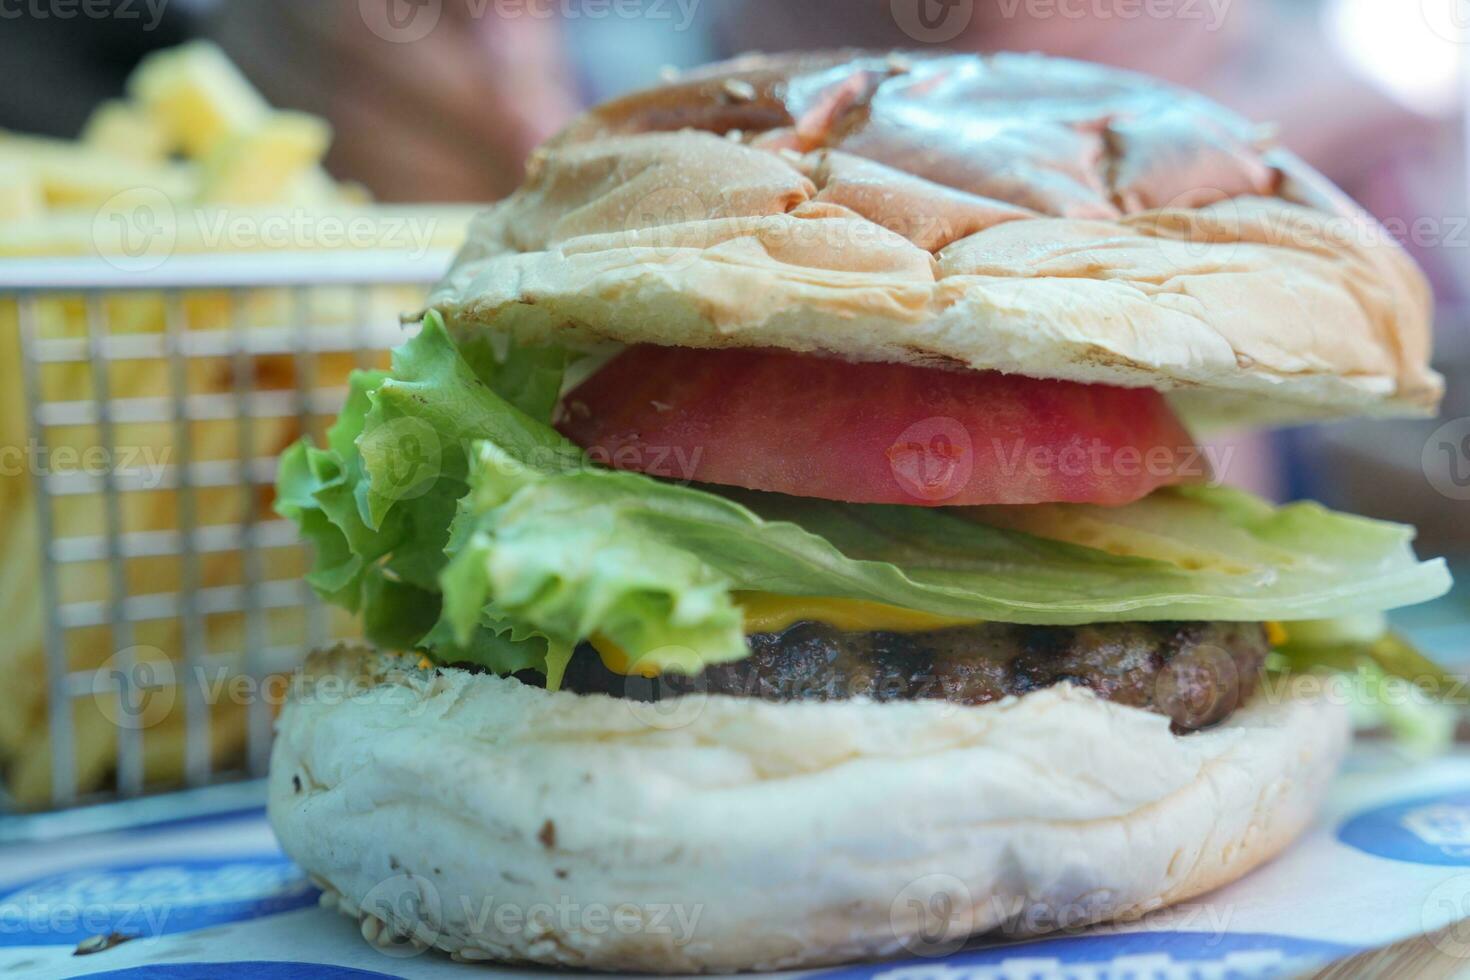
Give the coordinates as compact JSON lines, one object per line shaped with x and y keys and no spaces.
{"x":151,"y":605}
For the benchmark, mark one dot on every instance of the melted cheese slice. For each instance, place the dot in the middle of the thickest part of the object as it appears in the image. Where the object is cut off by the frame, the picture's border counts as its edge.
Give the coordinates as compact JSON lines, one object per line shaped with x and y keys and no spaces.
{"x":766,"y":612}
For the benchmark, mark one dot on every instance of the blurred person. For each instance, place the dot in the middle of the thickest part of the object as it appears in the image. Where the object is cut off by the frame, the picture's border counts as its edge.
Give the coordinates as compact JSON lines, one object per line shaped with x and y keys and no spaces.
{"x":446,"y":113}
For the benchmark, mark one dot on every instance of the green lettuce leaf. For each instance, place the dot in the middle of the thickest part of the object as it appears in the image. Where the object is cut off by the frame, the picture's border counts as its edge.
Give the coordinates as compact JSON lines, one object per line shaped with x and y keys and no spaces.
{"x":379,"y":500}
{"x":444,"y":488}
{"x":1387,"y":682}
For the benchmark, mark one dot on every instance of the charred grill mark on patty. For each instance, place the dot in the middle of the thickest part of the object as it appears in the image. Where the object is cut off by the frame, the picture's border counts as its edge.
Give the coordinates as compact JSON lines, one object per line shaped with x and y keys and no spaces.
{"x":1194,"y":673}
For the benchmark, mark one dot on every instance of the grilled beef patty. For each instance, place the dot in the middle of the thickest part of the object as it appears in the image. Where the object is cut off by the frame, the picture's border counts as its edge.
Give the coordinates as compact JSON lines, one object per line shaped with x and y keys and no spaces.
{"x":1195,"y":673}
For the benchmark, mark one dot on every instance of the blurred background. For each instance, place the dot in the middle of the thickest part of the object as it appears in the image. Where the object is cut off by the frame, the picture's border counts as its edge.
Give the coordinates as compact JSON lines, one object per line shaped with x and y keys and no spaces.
{"x":433,"y":102}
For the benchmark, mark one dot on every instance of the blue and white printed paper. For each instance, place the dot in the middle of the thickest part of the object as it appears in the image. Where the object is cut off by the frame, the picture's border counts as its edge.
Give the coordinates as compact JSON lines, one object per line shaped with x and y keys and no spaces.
{"x":1389,"y":859}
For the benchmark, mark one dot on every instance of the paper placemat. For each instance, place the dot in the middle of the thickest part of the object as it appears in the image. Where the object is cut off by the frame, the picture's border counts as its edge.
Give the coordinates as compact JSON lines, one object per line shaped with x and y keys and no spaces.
{"x":1389,"y":859}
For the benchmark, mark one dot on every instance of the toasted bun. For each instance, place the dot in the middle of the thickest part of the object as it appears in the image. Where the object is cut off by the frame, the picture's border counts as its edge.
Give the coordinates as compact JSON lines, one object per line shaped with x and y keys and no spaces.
{"x":1016,"y":212}
{"x":500,"y":821}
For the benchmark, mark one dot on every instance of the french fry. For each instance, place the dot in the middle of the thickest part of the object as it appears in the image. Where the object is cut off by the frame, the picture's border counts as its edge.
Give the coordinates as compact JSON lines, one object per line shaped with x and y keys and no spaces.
{"x":20,"y":192}
{"x":262,"y":164}
{"x":74,"y":175}
{"x":198,"y":96}
{"x":252,"y":181}
{"x":125,"y":130}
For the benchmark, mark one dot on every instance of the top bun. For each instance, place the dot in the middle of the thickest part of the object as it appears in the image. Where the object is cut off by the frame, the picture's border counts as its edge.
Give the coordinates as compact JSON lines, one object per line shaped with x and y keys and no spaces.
{"x":1015,"y":212}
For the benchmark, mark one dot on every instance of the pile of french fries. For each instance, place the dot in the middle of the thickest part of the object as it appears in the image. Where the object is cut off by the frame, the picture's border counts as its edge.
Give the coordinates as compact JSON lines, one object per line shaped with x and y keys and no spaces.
{"x":194,"y":136}
{"x":205,"y":152}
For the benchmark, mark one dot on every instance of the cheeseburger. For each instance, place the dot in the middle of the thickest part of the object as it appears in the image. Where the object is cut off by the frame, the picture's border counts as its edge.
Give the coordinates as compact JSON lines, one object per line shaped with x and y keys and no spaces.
{"x":785,"y":540}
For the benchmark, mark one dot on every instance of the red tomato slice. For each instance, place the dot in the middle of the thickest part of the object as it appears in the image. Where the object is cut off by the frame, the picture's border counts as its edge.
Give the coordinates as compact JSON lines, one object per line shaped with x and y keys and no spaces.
{"x":876,"y":433}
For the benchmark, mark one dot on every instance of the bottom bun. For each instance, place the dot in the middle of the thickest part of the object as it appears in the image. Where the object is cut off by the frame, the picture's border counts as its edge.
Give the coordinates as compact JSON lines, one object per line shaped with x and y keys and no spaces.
{"x":498,"y":821}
